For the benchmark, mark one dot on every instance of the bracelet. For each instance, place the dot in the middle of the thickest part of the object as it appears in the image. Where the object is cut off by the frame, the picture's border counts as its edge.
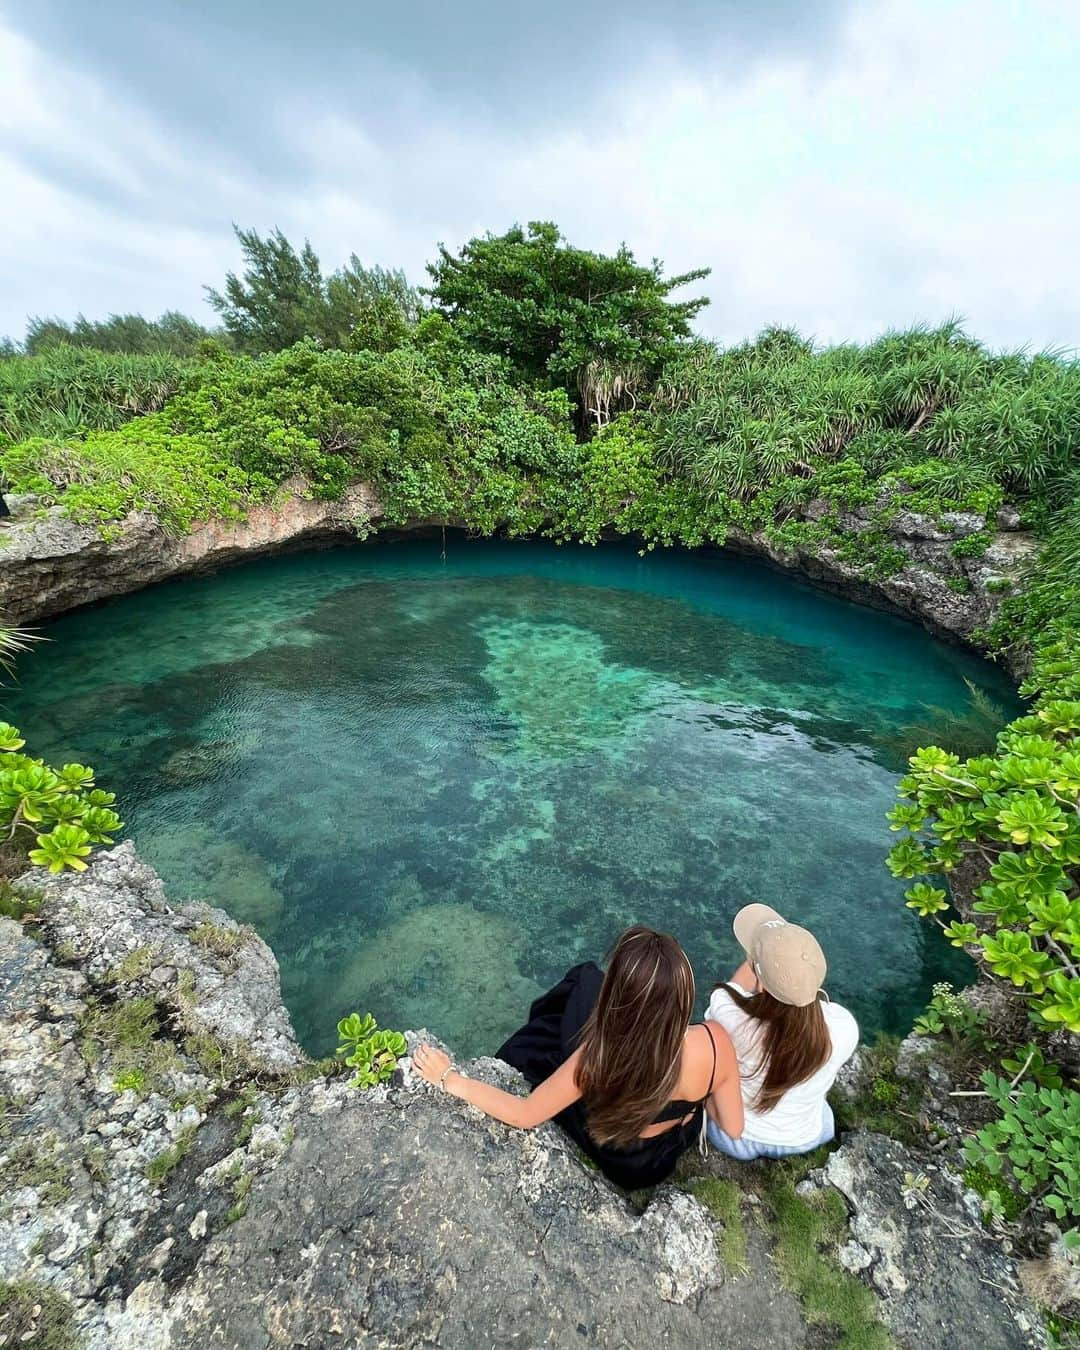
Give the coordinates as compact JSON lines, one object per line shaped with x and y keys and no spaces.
{"x":442,"y":1078}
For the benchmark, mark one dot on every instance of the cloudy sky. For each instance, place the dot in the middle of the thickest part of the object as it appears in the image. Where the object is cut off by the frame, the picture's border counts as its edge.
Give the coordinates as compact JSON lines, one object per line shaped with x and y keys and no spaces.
{"x":842,"y":165}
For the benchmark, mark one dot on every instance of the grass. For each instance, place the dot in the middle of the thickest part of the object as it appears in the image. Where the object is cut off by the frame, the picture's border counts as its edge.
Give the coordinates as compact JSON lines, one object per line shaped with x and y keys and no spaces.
{"x":127,"y":1030}
{"x":804,"y":1230}
{"x":217,"y":1060}
{"x":721,"y":1199}
{"x":16,"y":906}
{"x":162,"y":1164}
{"x":135,"y":965}
{"x":35,"y":1316}
{"x":218,"y":940}
{"x":35,"y":1163}
{"x":881,"y":1101}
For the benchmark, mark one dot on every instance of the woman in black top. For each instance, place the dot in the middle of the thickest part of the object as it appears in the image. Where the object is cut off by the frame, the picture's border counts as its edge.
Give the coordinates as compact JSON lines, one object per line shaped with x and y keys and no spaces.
{"x":614,"y":1059}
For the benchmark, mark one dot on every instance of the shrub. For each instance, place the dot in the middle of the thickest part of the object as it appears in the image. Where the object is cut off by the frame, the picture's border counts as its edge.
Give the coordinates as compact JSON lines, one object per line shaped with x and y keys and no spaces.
{"x":59,"y":810}
{"x":67,"y":391}
{"x":972,"y":545}
{"x":1036,"y":1144}
{"x":372,"y":1053}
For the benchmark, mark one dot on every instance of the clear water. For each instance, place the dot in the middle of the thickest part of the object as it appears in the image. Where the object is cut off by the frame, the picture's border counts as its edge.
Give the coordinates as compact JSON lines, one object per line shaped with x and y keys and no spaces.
{"x":434,"y":784}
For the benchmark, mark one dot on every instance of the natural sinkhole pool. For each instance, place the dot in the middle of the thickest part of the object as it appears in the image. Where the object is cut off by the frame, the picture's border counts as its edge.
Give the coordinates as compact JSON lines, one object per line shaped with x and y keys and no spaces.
{"x":434,"y":782}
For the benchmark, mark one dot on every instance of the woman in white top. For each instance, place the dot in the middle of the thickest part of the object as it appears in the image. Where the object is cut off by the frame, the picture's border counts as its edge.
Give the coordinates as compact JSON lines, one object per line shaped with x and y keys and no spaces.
{"x":790,"y":1041}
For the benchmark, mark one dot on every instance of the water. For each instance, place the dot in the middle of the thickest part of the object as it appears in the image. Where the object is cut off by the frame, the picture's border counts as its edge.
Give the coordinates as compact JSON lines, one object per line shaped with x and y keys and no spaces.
{"x":433,"y":785}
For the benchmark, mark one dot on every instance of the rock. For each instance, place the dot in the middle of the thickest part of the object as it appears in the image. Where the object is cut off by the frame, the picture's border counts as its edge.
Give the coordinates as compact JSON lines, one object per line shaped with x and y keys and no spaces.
{"x":1008,"y":518}
{"x":946,"y":528}
{"x":943,"y":1281}
{"x":21,"y":503}
{"x":398,"y":1216}
{"x":394,"y":1217}
{"x":853,"y":1256}
{"x":50,"y":563}
{"x":118,"y":907}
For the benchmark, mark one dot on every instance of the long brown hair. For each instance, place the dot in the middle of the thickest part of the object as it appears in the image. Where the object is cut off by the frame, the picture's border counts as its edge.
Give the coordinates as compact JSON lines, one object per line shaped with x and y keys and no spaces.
{"x":794,"y":1043}
{"x":631,"y":1046}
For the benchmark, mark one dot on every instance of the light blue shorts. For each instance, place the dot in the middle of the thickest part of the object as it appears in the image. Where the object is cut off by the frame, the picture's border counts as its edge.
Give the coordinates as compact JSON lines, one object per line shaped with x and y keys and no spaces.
{"x":746,"y":1150}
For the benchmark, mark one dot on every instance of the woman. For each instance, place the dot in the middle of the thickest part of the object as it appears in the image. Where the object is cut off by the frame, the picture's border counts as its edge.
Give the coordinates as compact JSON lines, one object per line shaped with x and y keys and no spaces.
{"x":790,"y":1041}
{"x":613,"y":1058}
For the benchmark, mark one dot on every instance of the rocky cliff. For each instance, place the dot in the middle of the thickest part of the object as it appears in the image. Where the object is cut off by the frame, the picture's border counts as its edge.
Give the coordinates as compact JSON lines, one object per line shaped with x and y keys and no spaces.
{"x":174,"y":1173}
{"x":49,"y":563}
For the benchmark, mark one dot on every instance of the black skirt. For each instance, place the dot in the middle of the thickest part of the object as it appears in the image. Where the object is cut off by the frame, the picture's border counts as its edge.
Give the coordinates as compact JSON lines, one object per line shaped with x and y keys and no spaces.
{"x":548,"y":1039}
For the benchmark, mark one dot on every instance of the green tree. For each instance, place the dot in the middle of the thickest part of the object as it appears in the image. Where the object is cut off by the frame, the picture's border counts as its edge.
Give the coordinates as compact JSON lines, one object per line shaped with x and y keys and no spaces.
{"x":369,"y":308}
{"x":278,"y":300}
{"x":173,"y":334}
{"x":598,"y":325}
{"x":283,"y":298}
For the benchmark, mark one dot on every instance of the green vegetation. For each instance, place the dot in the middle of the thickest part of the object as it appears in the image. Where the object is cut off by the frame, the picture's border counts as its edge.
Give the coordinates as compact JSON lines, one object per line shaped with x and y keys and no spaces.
{"x":172,"y":334}
{"x":881,"y":1100}
{"x":218,"y":1061}
{"x":598,"y":326}
{"x":135,"y":965}
{"x":806,"y":1231}
{"x":283,"y":298}
{"x":1035,"y":1144}
{"x":162,"y":1164}
{"x":218,"y":940}
{"x":128,"y":1030}
{"x":36,"y":1316}
{"x":372,"y":1053}
{"x":15,"y":905}
{"x":35,"y":1162}
{"x":949,"y":1014}
{"x":722,"y":1198}
{"x":58,"y":811}
{"x":68,"y":391}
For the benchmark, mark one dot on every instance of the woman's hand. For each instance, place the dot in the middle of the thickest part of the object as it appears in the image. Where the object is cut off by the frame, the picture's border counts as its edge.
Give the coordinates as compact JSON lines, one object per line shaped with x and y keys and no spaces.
{"x":431,"y":1064}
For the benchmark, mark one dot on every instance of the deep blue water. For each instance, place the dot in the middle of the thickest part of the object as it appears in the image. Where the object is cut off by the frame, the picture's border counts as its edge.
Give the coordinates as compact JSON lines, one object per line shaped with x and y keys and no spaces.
{"x":434,"y":784}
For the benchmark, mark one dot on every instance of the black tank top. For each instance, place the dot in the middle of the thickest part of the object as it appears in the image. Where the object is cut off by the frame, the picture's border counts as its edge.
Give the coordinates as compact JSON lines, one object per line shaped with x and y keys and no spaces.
{"x":550,"y":1037}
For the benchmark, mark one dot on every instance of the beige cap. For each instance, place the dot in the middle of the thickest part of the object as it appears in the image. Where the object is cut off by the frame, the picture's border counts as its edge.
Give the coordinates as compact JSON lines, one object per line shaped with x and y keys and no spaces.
{"x":787,"y":959}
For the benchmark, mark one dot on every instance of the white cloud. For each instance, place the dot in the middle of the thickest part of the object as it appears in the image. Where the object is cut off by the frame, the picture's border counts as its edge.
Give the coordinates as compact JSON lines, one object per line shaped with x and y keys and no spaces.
{"x":928,"y":167}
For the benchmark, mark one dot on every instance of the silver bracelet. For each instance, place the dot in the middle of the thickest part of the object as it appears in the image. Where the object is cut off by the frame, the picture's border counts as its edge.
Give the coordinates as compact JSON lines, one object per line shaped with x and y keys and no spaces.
{"x":442,"y":1078}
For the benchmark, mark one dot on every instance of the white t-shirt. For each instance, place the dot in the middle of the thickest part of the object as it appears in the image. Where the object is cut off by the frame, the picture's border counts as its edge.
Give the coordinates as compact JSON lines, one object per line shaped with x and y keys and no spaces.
{"x":797,"y":1117}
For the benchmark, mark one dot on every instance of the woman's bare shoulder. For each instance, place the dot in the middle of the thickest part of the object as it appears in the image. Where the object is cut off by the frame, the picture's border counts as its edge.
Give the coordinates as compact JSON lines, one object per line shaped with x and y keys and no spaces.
{"x":697,"y":1065}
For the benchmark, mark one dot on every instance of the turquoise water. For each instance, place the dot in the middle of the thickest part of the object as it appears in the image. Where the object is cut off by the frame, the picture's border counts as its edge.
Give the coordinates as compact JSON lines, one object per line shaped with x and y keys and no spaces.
{"x":434,"y":784}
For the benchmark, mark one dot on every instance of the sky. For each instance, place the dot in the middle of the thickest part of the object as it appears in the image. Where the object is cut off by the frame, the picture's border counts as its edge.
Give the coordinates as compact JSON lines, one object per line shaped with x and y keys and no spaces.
{"x":843,"y":166}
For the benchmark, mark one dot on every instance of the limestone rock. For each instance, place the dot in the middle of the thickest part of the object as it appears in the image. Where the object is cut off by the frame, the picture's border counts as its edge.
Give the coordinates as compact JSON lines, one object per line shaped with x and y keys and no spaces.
{"x":943,"y":1281}
{"x":50,"y":563}
{"x":115,"y":917}
{"x":321,"y":1215}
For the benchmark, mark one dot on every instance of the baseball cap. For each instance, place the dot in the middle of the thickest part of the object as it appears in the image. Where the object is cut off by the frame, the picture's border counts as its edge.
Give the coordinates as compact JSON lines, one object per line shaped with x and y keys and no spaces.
{"x":787,"y":959}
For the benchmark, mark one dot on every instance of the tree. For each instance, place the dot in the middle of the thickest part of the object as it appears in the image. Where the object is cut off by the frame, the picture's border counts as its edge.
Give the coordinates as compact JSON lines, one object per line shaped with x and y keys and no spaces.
{"x":599,"y":325}
{"x":173,"y":334}
{"x":283,"y":298}
{"x":278,"y":300}
{"x":369,"y":308}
